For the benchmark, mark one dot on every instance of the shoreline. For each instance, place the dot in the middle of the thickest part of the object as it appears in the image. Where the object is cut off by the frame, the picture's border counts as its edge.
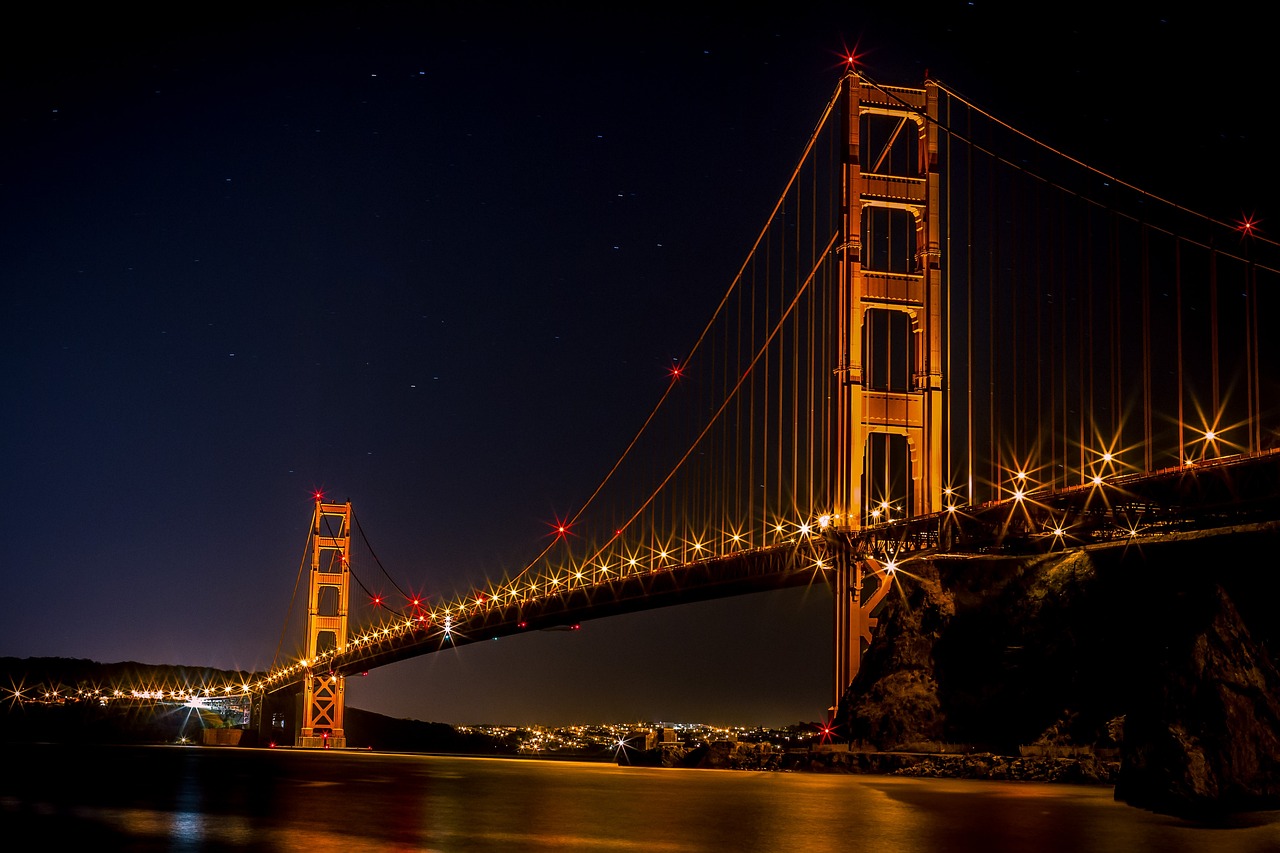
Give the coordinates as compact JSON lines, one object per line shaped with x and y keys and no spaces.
{"x":1076,"y":770}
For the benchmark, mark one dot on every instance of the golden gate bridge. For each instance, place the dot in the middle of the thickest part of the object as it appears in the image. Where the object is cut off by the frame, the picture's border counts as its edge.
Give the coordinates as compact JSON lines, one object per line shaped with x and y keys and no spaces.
{"x":948,"y":337}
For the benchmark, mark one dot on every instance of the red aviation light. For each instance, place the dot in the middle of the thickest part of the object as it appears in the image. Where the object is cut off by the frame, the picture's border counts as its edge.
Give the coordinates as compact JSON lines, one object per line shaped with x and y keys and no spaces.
{"x":1247,"y":225}
{"x":826,"y":731}
{"x":850,"y":57}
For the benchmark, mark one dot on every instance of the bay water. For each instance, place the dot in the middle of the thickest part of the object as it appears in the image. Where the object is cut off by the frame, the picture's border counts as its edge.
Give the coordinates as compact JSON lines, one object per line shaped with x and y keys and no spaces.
{"x":181,"y":798}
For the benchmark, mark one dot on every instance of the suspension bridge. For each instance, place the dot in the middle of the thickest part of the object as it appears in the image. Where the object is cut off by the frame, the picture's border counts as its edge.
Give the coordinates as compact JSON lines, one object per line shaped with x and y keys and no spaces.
{"x":947,"y":338}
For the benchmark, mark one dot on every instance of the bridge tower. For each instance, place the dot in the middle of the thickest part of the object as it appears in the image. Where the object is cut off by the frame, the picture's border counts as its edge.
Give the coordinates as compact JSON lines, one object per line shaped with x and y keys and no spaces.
{"x":323,"y":692}
{"x":890,"y":272}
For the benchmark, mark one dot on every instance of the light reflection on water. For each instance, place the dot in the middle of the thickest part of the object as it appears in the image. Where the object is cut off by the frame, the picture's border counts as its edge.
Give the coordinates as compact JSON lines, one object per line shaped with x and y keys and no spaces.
{"x":193,"y":798}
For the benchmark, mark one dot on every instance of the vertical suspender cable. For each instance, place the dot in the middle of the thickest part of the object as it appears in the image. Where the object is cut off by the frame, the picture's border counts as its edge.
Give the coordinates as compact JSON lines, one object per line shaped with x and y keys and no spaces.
{"x":1060,"y":236}
{"x":795,"y":365}
{"x":1257,"y":346}
{"x":1038,"y":321}
{"x":1251,"y":356}
{"x":1082,"y":319}
{"x":811,"y":363}
{"x":969,"y":247}
{"x":1089,"y":291}
{"x":992,"y":376}
{"x":762,"y":385}
{"x":753,"y":473}
{"x":780,"y":441}
{"x":1146,"y":348}
{"x":1015,"y":276}
{"x":1116,"y":372}
{"x":1050,"y":315}
{"x":1177,"y":308}
{"x":1213,"y":336}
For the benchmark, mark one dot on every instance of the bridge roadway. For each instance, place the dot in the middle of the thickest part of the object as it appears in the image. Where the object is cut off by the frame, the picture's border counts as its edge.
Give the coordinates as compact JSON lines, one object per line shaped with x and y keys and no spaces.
{"x":1212,"y":494}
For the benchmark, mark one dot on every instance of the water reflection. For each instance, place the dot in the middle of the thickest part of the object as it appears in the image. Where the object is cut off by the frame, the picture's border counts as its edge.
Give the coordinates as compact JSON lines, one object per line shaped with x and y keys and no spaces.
{"x":199,"y":799}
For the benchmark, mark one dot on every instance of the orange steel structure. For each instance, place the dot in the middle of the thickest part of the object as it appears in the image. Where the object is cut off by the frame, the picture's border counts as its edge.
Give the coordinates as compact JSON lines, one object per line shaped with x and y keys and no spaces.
{"x":916,"y":413}
{"x":323,"y":690}
{"x":872,"y":279}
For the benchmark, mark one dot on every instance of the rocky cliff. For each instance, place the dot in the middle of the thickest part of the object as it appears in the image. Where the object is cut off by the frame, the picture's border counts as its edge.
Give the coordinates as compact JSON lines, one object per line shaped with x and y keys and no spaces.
{"x":1160,"y":651}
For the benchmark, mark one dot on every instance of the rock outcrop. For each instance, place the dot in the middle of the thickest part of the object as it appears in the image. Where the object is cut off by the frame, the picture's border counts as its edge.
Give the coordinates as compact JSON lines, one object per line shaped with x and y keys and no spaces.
{"x":1202,"y":737}
{"x":1157,"y":651}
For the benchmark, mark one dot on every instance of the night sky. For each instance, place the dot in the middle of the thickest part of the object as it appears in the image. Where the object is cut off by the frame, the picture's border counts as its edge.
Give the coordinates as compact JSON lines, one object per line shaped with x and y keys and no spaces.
{"x":437,"y":264}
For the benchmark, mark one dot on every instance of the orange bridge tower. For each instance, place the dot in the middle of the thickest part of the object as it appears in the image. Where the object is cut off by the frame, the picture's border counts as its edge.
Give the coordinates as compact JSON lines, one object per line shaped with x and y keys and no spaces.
{"x":890,"y":388}
{"x":323,"y":691}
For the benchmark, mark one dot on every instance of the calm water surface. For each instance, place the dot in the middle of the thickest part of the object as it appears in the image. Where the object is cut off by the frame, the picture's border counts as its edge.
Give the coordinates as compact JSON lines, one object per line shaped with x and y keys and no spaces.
{"x":192,"y":798}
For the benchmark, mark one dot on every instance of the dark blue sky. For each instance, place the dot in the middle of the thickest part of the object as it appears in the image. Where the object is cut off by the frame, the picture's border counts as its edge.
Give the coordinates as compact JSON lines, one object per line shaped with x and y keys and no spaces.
{"x":437,"y":263}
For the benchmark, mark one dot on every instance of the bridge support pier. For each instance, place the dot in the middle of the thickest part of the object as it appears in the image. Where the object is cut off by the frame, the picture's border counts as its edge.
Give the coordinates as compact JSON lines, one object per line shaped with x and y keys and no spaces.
{"x":860,"y":585}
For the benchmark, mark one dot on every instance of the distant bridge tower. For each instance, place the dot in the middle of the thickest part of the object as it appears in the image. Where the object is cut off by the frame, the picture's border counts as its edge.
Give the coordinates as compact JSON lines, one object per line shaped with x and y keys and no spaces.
{"x":323,"y":692}
{"x":890,"y":384}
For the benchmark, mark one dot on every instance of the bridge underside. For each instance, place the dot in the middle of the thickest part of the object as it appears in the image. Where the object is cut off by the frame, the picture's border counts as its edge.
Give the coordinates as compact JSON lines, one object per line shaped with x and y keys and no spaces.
{"x":792,"y":564}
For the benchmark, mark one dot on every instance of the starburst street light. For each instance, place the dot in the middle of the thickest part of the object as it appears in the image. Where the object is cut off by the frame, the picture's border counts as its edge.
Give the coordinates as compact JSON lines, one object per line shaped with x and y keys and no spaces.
{"x":881,"y":512}
{"x":1211,"y":438}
